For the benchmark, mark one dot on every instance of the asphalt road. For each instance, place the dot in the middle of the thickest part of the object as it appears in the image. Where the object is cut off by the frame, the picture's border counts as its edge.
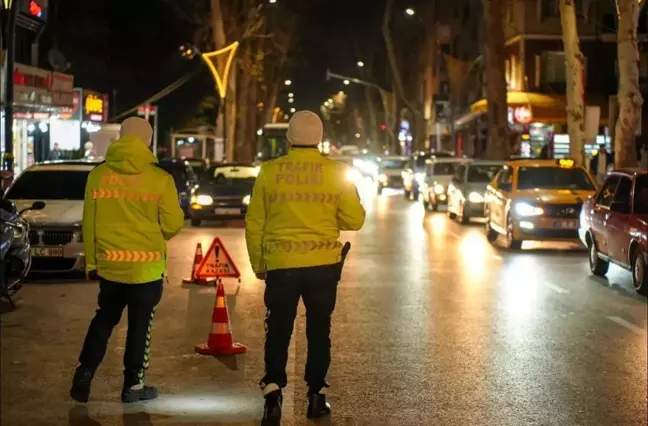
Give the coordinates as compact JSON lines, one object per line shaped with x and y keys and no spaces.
{"x":433,"y":326}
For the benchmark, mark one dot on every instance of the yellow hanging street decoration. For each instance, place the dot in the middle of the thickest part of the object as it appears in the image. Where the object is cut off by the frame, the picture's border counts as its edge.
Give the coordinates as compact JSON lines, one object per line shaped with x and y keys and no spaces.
{"x":211,"y":59}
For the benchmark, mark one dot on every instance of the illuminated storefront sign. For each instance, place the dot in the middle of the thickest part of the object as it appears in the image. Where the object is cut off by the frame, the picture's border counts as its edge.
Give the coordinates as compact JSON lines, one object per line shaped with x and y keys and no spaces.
{"x":519,"y":115}
{"x":95,"y":107}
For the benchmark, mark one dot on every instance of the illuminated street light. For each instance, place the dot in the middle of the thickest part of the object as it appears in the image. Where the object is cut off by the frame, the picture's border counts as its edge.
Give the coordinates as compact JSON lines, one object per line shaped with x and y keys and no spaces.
{"x":347,"y":82}
{"x":291,"y":95}
{"x":292,"y":110}
{"x":357,"y":135}
{"x":410,"y":11}
{"x":272,"y":1}
{"x":291,"y":100}
{"x":360,"y":64}
{"x":287,"y":82}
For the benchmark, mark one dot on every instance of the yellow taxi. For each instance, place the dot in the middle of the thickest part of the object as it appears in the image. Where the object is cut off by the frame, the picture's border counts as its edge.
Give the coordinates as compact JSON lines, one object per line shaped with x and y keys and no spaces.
{"x":536,"y":200}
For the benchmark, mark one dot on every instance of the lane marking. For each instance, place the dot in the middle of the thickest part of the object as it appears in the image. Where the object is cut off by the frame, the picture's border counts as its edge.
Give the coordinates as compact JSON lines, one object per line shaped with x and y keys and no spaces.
{"x":556,"y":288}
{"x":630,"y":326}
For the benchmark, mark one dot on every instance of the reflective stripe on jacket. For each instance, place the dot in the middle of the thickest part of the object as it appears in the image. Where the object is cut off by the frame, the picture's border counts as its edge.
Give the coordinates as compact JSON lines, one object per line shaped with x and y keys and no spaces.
{"x":299,"y":205}
{"x":130,"y":210}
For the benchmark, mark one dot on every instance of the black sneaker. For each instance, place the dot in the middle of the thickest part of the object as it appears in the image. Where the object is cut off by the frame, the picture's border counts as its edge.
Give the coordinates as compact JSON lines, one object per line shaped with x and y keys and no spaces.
{"x":272,"y":409}
{"x":81,"y":382}
{"x":147,"y":393}
{"x":317,"y":406}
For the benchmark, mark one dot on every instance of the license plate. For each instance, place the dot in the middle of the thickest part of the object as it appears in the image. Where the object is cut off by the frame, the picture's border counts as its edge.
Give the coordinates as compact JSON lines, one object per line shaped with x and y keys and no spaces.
{"x":47,"y":251}
{"x":565,"y":224}
{"x":226,"y":212}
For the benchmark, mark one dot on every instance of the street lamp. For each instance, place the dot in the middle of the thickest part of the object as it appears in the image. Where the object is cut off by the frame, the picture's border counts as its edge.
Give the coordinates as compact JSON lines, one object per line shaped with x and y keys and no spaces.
{"x":347,"y":82}
{"x":287,"y":82}
{"x":360,"y":64}
{"x":291,"y":95}
{"x":291,"y":100}
{"x":410,"y":11}
{"x":330,"y":101}
{"x":292,"y":110}
{"x":272,"y":1}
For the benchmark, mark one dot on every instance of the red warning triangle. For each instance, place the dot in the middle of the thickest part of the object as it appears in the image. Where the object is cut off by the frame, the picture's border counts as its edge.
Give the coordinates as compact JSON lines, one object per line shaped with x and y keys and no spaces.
{"x":217,"y":263}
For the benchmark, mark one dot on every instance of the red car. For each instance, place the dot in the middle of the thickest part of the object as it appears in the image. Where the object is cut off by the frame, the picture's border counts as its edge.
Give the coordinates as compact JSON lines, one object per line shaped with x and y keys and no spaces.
{"x":614,"y":226}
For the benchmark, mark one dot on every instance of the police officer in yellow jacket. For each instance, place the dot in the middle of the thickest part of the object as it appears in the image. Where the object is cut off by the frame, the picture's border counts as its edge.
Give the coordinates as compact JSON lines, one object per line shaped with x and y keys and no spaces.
{"x":130,"y":211}
{"x":300,"y":203}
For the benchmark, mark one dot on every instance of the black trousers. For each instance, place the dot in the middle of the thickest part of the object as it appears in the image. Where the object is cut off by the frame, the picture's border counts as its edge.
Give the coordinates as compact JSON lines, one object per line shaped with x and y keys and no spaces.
{"x":317,"y":286}
{"x":142,"y":301}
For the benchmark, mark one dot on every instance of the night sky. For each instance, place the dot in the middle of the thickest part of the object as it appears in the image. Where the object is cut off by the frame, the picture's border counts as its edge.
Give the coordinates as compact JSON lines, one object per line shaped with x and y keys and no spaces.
{"x":129,"y":49}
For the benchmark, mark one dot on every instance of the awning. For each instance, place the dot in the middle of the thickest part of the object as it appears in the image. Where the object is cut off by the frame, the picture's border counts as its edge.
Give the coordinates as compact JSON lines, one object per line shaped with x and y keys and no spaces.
{"x":549,"y":109}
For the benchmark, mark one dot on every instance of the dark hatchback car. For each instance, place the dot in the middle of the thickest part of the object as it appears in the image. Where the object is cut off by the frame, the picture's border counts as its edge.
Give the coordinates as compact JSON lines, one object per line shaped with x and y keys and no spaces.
{"x":225,"y":195}
{"x":185,"y":180}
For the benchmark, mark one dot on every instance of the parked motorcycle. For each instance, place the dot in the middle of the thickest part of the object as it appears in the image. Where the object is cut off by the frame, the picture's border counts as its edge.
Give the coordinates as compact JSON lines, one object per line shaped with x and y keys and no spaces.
{"x":15,"y":249}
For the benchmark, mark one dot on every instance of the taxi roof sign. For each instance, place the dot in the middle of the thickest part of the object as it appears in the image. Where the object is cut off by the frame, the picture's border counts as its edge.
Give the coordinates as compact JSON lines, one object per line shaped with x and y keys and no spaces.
{"x":217,"y":263}
{"x":566,"y":162}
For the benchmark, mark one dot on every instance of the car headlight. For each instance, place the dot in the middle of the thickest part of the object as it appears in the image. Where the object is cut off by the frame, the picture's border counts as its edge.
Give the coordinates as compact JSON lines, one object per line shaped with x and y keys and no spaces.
{"x":439,"y":189}
{"x":18,"y":232}
{"x":202,"y":200}
{"x":246,"y":200}
{"x":354,"y":175}
{"x":382,"y":178}
{"x":526,"y":209}
{"x":475,"y":197}
{"x":420,"y":177}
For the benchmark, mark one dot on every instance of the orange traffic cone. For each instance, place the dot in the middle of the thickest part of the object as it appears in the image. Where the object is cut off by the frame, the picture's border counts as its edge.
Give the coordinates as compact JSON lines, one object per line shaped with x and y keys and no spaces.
{"x":198,"y":257}
{"x":220,"y":340}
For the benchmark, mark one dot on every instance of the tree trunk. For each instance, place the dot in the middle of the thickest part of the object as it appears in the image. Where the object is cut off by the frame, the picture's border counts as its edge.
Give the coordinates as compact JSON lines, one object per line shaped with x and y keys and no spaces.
{"x":398,"y":81}
{"x":494,"y":55}
{"x":231,"y":111}
{"x":575,"y":89}
{"x":271,"y":102}
{"x":243,"y":104}
{"x":218,"y":35}
{"x":630,"y":100}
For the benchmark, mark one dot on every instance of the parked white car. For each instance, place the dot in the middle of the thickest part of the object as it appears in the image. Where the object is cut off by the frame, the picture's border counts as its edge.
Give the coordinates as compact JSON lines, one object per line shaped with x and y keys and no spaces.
{"x":55,"y":236}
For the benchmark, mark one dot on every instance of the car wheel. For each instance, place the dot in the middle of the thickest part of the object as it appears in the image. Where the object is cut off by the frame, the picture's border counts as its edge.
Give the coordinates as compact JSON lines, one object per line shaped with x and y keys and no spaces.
{"x":639,"y":275}
{"x":491,"y":234}
{"x":451,"y":215}
{"x":598,"y":266}
{"x":463,"y":219}
{"x":407,"y":194}
{"x":511,"y":242}
{"x":196,"y":222}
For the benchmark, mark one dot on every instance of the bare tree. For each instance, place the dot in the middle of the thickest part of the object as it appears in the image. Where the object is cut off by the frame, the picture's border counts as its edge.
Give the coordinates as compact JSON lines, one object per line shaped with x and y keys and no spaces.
{"x":396,"y":74}
{"x":630,"y":99}
{"x":575,"y":89}
{"x":494,"y":54}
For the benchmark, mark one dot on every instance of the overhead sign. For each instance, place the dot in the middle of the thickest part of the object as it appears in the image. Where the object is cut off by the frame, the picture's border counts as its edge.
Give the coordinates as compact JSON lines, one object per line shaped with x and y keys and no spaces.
{"x":32,"y":85}
{"x":520,"y":115}
{"x":217,"y":263}
{"x":95,"y":106}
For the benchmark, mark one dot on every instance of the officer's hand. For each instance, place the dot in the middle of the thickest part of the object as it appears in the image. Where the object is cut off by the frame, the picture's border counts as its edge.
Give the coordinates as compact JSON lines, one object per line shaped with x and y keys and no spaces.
{"x":261,"y":276}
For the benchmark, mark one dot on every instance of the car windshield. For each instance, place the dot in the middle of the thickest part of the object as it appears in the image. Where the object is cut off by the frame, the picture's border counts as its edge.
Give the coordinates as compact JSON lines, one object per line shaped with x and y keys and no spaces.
{"x":444,"y":169}
{"x":235,"y":175}
{"x":420,"y":161}
{"x":641,"y":195}
{"x":393,"y":164}
{"x":482,"y":173}
{"x":49,"y":185}
{"x":179,"y":173}
{"x":554,"y":178}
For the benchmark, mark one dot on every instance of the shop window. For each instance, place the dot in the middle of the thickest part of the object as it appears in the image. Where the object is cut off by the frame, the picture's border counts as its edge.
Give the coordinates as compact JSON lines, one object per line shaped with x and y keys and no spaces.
{"x":553,"y":67}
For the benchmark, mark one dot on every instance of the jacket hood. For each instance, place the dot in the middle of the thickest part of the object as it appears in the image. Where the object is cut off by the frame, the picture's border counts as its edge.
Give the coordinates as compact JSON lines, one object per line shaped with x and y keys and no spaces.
{"x":129,"y":155}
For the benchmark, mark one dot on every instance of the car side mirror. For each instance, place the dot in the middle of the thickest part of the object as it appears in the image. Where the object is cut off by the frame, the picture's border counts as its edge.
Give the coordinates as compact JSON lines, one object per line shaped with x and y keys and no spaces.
{"x":37,"y":205}
{"x":620,"y":207}
{"x":8,"y":206}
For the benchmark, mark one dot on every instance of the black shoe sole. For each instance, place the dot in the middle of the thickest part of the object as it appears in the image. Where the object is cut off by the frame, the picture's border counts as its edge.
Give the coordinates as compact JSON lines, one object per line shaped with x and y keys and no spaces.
{"x":130,"y":398}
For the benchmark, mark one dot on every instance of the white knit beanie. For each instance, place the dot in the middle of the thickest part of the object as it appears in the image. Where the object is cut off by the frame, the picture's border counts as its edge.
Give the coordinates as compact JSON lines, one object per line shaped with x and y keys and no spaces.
{"x":305,"y":129}
{"x":137,"y":127}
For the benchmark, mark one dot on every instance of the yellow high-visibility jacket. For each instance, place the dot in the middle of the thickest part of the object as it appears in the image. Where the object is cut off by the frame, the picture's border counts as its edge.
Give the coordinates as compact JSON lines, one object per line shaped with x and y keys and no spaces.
{"x":131,"y":209}
{"x":299,"y":205}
